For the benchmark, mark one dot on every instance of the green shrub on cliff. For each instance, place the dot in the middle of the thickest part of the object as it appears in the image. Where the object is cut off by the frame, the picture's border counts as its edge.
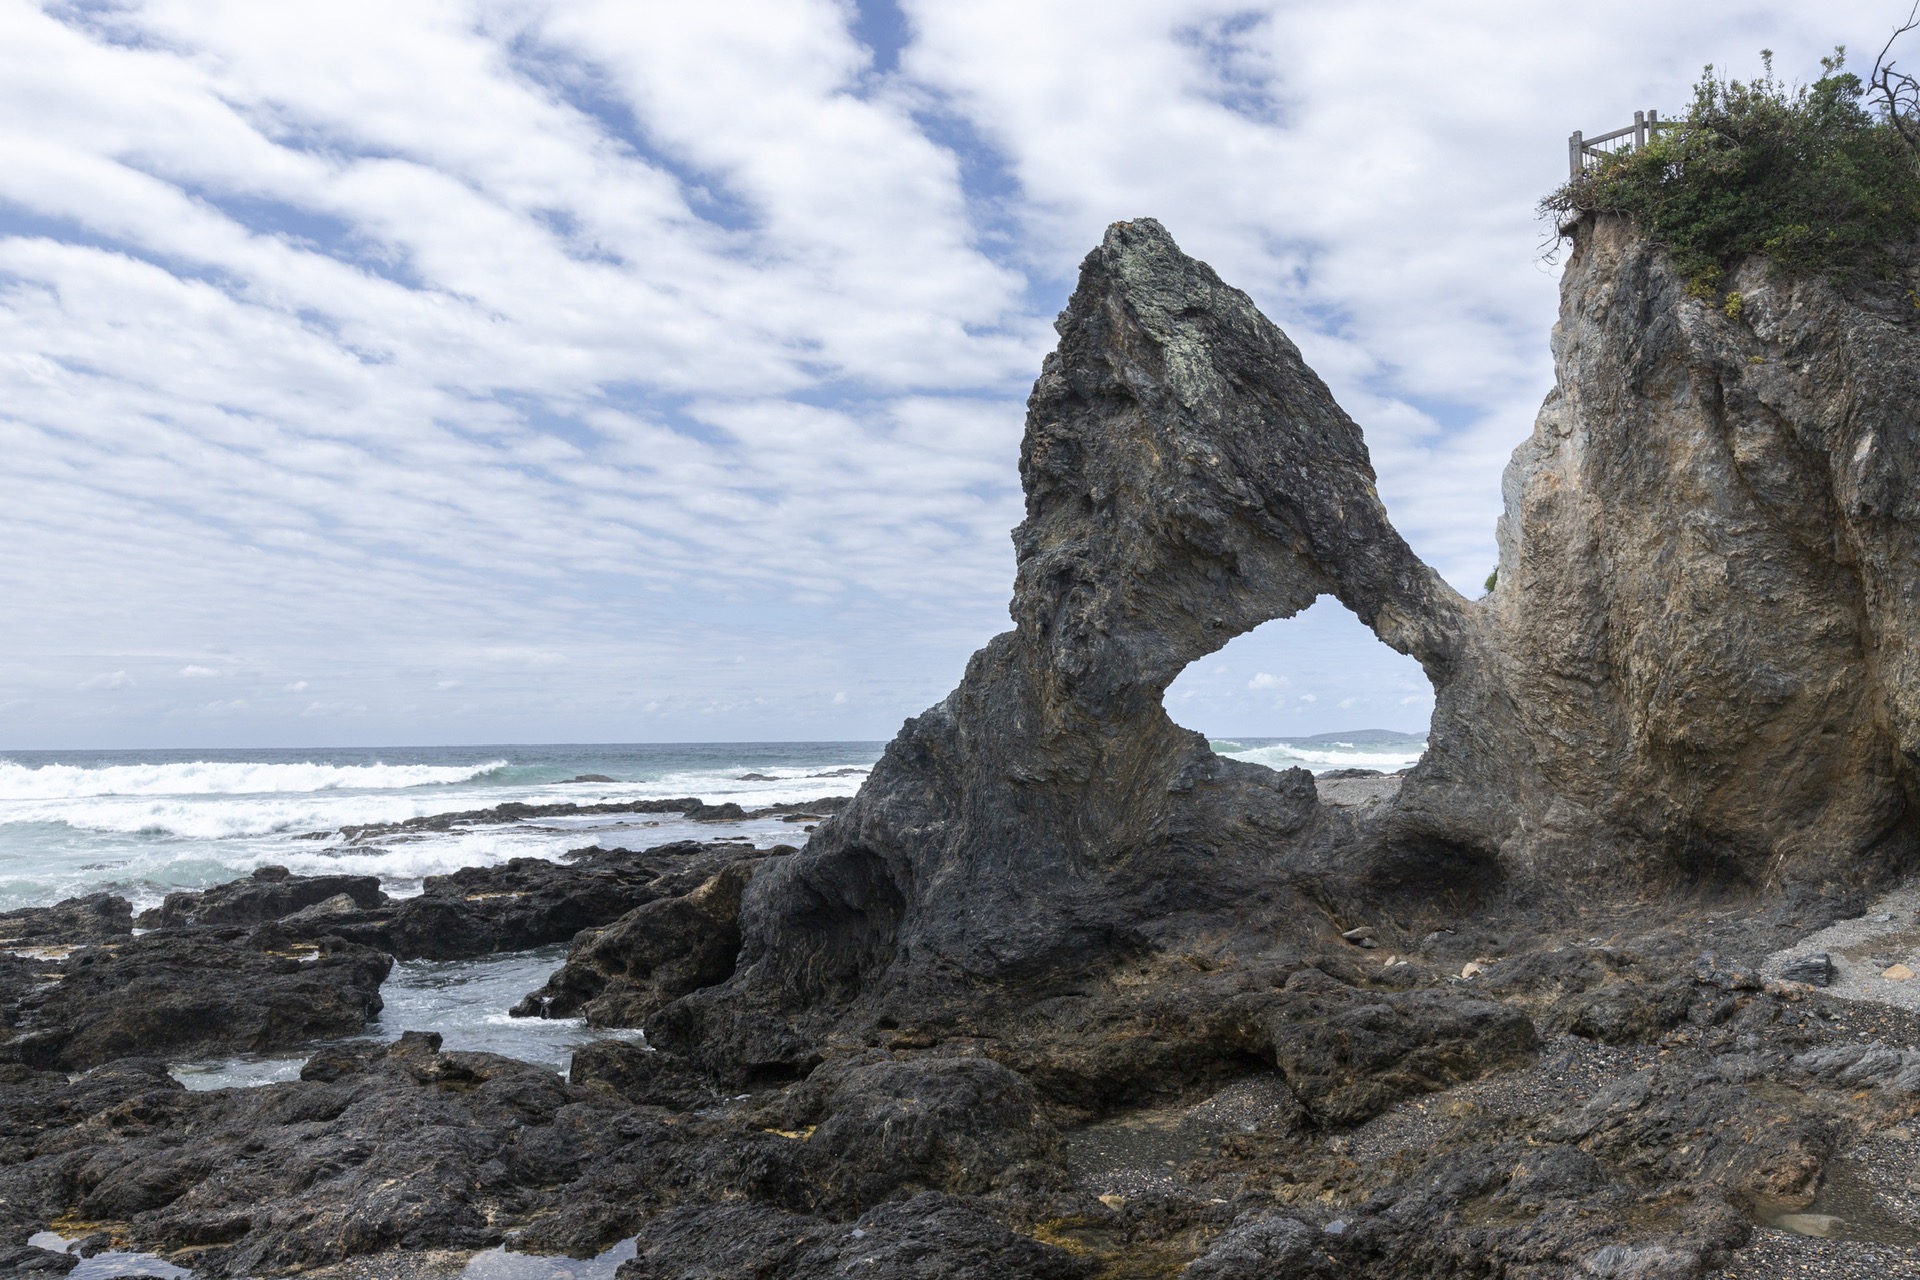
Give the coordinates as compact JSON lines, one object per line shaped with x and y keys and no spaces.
{"x":1807,"y":175}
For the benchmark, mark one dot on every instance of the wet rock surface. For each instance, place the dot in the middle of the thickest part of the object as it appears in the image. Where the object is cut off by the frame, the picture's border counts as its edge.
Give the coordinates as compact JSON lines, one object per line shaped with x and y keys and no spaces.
{"x":477,"y":911}
{"x":268,"y":894}
{"x":687,"y":807}
{"x":667,"y":948}
{"x":98,"y":917}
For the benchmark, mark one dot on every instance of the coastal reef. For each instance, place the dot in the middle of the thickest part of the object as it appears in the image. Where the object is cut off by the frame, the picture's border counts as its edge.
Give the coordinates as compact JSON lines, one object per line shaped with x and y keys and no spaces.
{"x":1588,"y":993}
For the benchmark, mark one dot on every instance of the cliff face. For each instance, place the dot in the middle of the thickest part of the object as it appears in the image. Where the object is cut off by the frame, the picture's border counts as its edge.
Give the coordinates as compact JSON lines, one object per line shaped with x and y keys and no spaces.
{"x":1698,"y":666}
{"x":1709,"y":576}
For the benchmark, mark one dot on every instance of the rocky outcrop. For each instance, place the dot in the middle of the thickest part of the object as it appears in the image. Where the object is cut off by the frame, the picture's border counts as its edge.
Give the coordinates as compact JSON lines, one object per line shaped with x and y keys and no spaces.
{"x":1709,"y":585}
{"x":475,"y":911}
{"x":1188,"y":478}
{"x":268,"y":894}
{"x":98,"y":917}
{"x":650,"y":957}
{"x":1698,"y":665}
{"x":191,"y":994}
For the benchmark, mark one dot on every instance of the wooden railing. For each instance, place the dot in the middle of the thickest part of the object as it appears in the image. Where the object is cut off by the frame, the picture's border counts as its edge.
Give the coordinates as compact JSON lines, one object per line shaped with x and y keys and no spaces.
{"x":1580,"y":147}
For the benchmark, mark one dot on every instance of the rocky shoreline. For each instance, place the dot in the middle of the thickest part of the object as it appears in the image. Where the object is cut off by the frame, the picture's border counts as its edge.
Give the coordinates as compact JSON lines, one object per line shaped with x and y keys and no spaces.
{"x":1061,"y":993}
{"x":1640,"y":1098}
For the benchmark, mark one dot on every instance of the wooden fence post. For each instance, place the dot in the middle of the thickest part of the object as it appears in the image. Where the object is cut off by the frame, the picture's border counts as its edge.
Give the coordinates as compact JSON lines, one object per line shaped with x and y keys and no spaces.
{"x":1575,"y":155}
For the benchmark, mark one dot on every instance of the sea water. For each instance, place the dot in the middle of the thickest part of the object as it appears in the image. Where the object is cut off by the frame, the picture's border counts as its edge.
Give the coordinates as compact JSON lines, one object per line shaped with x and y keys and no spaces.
{"x":144,"y":823}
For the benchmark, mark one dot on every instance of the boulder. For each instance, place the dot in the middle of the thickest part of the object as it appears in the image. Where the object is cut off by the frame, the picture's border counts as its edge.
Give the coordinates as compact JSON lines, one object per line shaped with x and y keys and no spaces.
{"x":653,"y":955}
{"x":194,"y":994}
{"x":268,"y":894}
{"x":98,"y":917}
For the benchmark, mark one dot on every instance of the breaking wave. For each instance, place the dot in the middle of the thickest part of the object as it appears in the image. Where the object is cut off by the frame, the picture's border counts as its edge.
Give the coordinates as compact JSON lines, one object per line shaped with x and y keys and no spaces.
{"x":1320,"y":759}
{"x":211,"y":778}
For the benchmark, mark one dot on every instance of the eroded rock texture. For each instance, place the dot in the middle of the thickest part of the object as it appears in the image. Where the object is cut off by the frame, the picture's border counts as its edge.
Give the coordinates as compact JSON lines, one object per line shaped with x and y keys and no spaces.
{"x":1697,"y":667}
{"x":1188,"y":478}
{"x":1709,"y":588}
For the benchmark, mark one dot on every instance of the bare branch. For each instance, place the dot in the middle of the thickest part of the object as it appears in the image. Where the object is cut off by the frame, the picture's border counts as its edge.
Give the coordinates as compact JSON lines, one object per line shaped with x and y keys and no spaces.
{"x":1899,"y":93}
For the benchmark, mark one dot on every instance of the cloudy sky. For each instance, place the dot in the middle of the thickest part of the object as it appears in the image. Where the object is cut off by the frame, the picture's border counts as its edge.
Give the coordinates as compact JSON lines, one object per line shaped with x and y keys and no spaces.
{"x":502,"y":371}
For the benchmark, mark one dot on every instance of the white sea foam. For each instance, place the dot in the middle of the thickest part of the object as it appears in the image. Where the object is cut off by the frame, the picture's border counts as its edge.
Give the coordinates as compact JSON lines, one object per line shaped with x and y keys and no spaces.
{"x":210,"y":778}
{"x":1279,"y":756}
{"x":224,"y":817}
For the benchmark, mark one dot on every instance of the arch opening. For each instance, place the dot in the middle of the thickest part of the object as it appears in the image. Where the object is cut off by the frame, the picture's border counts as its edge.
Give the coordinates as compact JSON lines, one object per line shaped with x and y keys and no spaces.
{"x":1317,"y":691}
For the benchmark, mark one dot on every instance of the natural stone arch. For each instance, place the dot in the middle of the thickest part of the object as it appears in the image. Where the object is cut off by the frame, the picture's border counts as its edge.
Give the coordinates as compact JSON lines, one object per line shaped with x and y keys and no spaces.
{"x":1188,"y":478}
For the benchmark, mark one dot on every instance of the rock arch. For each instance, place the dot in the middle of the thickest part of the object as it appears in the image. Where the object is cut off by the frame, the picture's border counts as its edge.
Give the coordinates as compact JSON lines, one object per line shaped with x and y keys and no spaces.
{"x":1188,"y":478}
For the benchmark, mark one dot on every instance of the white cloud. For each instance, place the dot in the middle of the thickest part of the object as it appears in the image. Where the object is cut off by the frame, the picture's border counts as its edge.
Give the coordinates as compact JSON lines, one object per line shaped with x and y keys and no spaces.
{"x":1264,"y":681}
{"x":107,"y":680}
{"x":549,"y":352}
{"x":193,"y":671}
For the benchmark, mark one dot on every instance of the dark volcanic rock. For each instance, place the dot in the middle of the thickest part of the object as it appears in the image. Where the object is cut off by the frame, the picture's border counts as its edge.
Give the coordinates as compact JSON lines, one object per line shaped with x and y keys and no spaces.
{"x":878,"y":1127}
{"x":191,"y":994}
{"x":640,"y":1075}
{"x":649,"y":957}
{"x":1815,"y":969}
{"x":1188,"y":478}
{"x":98,"y":917}
{"x":930,"y":1237}
{"x":1348,"y":1053}
{"x":410,"y":1149}
{"x":268,"y":894}
{"x":1260,"y":1246}
{"x":528,"y":902}
{"x":515,"y":811}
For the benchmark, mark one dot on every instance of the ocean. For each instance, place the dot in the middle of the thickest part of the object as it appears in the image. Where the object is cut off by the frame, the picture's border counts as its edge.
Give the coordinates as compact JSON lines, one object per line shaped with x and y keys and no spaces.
{"x":144,"y":823}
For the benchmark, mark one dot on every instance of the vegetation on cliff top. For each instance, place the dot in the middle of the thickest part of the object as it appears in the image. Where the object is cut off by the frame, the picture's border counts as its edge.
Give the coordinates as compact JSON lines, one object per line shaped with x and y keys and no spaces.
{"x":1807,"y":175}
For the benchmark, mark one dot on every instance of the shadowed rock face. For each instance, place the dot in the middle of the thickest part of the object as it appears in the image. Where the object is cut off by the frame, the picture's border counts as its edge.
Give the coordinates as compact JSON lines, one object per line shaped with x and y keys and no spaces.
{"x":1698,"y":663}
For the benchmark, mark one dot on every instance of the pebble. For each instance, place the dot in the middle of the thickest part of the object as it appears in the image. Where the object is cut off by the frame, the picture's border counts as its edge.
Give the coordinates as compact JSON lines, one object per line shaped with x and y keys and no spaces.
{"x":1897,"y":973}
